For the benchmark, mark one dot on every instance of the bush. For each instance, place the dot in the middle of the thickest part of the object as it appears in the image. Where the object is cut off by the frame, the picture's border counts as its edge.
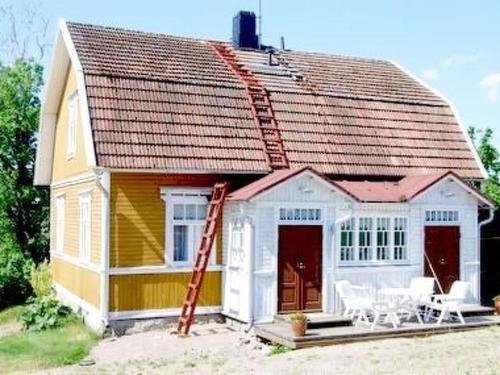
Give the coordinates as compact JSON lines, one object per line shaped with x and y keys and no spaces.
{"x":44,"y":313}
{"x":15,"y":287}
{"x":41,"y":279}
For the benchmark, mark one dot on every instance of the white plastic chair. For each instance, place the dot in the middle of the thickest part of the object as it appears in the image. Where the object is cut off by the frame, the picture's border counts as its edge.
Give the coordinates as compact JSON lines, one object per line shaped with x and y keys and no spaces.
{"x":420,"y":292}
{"x":449,"y":303}
{"x":351,"y":297}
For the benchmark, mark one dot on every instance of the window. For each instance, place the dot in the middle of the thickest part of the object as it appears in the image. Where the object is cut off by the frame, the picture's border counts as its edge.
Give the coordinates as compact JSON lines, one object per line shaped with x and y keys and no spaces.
{"x":400,"y":238}
{"x":72,"y":114}
{"x":300,"y":214}
{"x":347,"y":241}
{"x":441,"y":216}
{"x":372,"y":240}
{"x":60,"y":203}
{"x":383,"y":238}
{"x":185,"y":220}
{"x":365,"y":238}
{"x":85,"y":225}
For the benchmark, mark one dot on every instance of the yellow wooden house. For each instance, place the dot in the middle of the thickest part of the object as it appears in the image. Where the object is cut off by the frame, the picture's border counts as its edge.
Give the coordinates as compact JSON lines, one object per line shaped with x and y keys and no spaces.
{"x":136,"y":128}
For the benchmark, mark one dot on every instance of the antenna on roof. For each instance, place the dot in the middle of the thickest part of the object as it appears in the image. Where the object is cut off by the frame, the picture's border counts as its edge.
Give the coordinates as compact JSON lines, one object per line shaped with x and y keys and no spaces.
{"x":260,"y":23}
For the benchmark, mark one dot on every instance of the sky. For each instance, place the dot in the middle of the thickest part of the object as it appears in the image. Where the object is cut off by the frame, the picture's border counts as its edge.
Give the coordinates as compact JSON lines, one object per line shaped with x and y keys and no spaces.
{"x":454,"y":46}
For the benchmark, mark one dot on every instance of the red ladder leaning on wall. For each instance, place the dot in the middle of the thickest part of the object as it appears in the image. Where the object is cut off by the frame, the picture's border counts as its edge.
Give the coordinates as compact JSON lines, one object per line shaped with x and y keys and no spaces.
{"x":202,"y":258}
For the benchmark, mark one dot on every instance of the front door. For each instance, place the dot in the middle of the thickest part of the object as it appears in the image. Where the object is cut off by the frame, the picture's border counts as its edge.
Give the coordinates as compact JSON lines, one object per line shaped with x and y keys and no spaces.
{"x":442,"y":245}
{"x":299,"y":267}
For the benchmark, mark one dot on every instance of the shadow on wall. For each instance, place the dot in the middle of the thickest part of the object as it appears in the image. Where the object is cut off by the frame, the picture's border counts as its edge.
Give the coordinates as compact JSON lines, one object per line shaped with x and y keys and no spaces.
{"x":490,"y":260}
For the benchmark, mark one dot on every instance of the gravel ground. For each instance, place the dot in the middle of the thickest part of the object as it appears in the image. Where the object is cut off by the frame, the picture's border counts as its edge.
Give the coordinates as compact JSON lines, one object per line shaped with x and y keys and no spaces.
{"x":215,"y":349}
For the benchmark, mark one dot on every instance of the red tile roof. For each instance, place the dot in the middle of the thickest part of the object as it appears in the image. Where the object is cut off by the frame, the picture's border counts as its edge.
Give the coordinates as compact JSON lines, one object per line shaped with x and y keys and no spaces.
{"x":162,"y":102}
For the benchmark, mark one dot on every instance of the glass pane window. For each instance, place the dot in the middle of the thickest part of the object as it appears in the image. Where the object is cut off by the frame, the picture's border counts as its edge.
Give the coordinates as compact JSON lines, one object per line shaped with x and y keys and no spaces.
{"x":365,"y":238}
{"x":441,"y":216}
{"x":300,"y":214}
{"x":180,"y":243}
{"x":347,"y":241}
{"x":400,"y":238}
{"x":383,"y":238}
{"x":60,"y":205}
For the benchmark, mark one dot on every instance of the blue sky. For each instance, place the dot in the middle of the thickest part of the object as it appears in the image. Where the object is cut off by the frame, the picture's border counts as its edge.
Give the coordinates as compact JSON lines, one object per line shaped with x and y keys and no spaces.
{"x":453,"y":45}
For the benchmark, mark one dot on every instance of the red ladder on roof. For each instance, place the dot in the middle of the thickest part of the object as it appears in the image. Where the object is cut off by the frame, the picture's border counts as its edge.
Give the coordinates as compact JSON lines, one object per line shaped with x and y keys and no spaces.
{"x":261,"y":108}
{"x":202,"y":257}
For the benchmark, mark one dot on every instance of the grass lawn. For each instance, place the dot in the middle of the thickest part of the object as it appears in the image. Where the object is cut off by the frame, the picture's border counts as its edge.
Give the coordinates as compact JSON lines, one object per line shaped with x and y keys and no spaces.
{"x":28,"y":351}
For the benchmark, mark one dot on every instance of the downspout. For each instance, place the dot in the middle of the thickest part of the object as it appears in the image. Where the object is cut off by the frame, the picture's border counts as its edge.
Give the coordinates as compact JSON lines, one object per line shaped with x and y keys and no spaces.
{"x":479,"y":226}
{"x":102,"y":180}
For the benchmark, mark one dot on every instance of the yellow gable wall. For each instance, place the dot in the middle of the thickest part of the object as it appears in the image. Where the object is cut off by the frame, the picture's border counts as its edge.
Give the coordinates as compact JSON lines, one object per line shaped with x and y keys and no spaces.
{"x":137,"y":236}
{"x":63,"y":167}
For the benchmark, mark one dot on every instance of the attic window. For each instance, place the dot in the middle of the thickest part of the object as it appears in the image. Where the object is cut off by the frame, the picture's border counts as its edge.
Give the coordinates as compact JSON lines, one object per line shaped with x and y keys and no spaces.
{"x":72,"y":110}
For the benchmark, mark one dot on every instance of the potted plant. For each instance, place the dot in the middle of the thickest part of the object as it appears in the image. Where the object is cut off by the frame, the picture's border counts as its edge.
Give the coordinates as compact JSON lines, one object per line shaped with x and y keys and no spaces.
{"x":496,"y":301}
{"x":299,"y":324}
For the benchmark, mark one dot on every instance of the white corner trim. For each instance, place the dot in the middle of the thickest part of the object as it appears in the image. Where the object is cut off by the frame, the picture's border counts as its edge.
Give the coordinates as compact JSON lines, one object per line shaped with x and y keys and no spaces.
{"x":75,"y":261}
{"x":82,"y":94}
{"x":148,"y":270}
{"x":104,"y":182}
{"x":161,"y":313}
{"x":454,"y":112}
{"x":73,"y":300}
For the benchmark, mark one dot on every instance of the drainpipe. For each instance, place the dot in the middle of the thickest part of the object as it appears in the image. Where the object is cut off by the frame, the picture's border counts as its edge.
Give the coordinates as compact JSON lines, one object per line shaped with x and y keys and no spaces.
{"x":102,"y":180}
{"x":479,"y":226}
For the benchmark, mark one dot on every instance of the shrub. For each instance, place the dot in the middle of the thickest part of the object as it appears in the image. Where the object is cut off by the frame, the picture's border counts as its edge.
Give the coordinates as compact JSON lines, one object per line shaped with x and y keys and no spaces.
{"x":14,"y":275}
{"x":44,"y":313}
{"x":299,"y":317}
{"x":41,"y":279}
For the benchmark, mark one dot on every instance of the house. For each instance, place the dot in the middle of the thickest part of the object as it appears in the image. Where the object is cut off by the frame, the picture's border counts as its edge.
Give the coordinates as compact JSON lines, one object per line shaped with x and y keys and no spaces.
{"x":339,"y":168}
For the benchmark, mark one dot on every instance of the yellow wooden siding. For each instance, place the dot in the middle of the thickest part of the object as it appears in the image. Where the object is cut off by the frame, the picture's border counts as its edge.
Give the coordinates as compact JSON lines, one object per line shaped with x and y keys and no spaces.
{"x":160,"y":291}
{"x":72,"y":219}
{"x":79,"y":281}
{"x":137,"y":236}
{"x":63,"y":167}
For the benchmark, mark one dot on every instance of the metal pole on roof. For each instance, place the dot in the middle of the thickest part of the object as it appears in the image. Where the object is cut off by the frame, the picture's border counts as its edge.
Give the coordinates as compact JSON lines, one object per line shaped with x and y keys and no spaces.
{"x":260,"y":23}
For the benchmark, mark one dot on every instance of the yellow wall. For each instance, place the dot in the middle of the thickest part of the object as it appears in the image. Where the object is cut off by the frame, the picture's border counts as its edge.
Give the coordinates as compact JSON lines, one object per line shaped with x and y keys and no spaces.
{"x":81,"y":282}
{"x":160,"y":291}
{"x":63,"y":167}
{"x":138,"y":217}
{"x":72,"y":219}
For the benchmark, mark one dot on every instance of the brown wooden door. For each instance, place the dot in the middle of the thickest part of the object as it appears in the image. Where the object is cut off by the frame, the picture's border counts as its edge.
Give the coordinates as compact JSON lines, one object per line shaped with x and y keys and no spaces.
{"x":442,"y":244}
{"x":299,"y":267}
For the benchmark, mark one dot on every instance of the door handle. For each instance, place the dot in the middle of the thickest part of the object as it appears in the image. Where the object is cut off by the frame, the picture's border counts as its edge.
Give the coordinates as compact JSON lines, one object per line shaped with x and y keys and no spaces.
{"x":300,"y":265}
{"x":442,"y":261}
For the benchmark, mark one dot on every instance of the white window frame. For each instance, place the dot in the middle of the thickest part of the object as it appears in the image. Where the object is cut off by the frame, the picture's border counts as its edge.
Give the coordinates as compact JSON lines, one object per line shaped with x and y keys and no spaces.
{"x":441,"y":216}
{"x":298,"y":218}
{"x":85,"y":225}
{"x":72,"y":125}
{"x":373,"y":244}
{"x":60,"y":223}
{"x":184,"y":196}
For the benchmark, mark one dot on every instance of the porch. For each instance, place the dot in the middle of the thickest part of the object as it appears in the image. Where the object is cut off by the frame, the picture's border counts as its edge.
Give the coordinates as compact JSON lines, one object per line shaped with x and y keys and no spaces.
{"x":330,"y":329}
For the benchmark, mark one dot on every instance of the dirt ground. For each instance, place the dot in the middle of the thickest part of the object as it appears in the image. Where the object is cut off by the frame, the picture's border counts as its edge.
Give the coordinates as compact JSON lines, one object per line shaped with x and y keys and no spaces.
{"x":215,"y":349}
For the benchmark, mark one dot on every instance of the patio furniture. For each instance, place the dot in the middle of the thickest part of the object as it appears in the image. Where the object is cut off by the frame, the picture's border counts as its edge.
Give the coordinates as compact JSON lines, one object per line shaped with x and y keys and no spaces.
{"x":402,"y":301}
{"x":353,"y":297}
{"x":449,"y":303}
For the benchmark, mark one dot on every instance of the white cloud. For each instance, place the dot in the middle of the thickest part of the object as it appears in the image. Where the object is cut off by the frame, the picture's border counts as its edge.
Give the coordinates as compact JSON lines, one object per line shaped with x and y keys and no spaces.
{"x":491,"y":83}
{"x":430,"y":74}
{"x":434,"y":73}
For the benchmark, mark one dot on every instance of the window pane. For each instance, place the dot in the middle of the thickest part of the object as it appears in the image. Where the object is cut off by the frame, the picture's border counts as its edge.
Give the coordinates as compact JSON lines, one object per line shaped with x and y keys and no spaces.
{"x":180,"y":243}
{"x":190,"y":211}
{"x":178,"y":211}
{"x":202,"y":211}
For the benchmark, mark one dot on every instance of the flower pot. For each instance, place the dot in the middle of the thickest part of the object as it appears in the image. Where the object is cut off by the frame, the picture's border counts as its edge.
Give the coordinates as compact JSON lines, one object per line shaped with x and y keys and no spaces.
{"x":497,"y":307}
{"x":299,"y":327}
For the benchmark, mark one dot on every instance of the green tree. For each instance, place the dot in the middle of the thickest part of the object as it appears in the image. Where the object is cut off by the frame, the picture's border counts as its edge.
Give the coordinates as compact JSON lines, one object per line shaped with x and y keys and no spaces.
{"x":490,"y":156}
{"x":23,"y":207}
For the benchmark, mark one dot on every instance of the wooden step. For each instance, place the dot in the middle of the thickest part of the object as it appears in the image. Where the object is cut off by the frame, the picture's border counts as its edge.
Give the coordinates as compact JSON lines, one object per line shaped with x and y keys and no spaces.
{"x":318,"y":320}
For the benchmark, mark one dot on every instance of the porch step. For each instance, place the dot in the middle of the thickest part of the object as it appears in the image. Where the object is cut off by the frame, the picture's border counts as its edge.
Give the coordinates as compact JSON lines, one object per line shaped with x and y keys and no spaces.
{"x":318,"y":320}
{"x":477,"y":310}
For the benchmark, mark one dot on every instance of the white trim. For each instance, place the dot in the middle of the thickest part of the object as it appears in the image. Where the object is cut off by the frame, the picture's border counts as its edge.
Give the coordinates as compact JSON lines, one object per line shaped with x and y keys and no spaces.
{"x":71,"y":136}
{"x":103,"y":180}
{"x":85,"y":244}
{"x":146,"y":270}
{"x":79,"y":179}
{"x":88,"y":312}
{"x":161,"y":313}
{"x":75,"y":261}
{"x":455,"y":114}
